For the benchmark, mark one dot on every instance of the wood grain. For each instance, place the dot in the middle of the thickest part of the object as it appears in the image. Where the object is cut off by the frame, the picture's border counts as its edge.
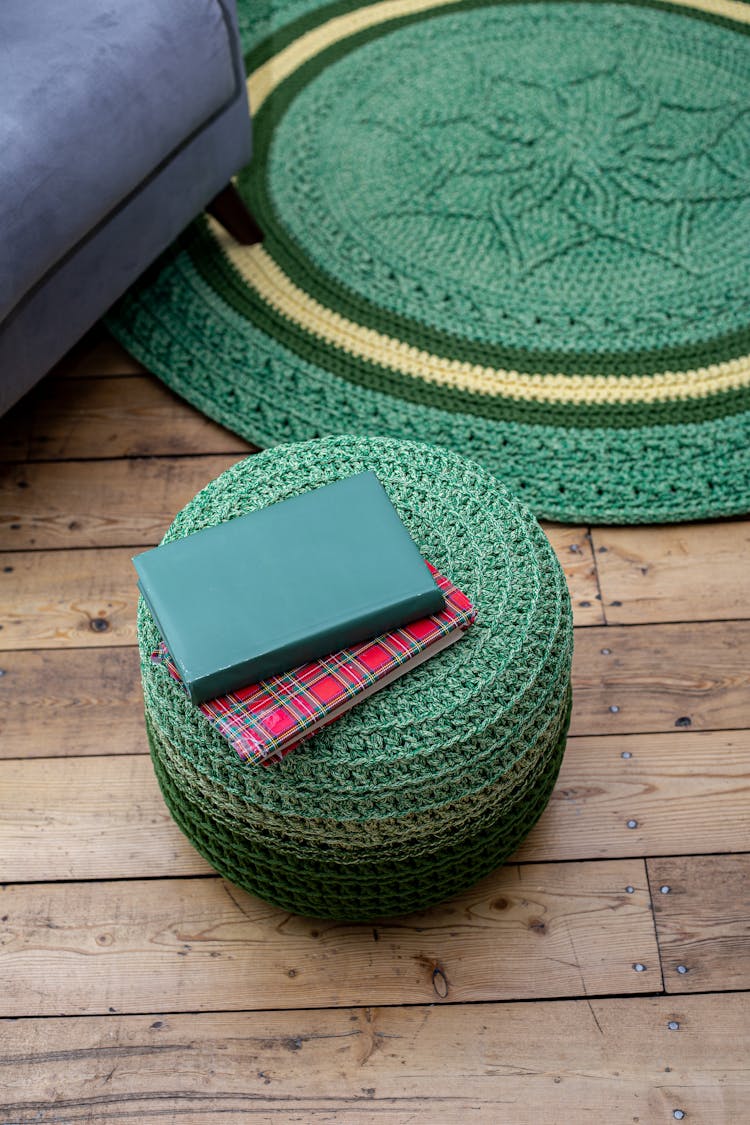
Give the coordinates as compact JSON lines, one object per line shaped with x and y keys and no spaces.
{"x":78,"y":802}
{"x":133,"y":501}
{"x":703,"y":922}
{"x":135,"y":416}
{"x":688,"y":572}
{"x":56,"y":599}
{"x":541,"y":1063}
{"x":682,"y":794}
{"x":540,"y":930}
{"x":85,"y":702}
{"x":104,"y":817}
{"x":694,"y":676}
{"x":573,"y":548}
{"x":660,"y":674}
{"x":73,"y":504}
{"x":66,"y":599}
{"x":97,"y":355}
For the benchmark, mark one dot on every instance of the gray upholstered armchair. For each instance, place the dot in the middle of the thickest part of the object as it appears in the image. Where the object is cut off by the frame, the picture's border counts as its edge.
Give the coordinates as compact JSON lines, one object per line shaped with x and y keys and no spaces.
{"x":119,"y":121}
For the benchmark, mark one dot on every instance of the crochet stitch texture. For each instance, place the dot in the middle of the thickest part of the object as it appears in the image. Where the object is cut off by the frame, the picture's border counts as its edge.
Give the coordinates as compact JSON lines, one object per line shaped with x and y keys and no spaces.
{"x":426,"y":787}
{"x":518,"y":230}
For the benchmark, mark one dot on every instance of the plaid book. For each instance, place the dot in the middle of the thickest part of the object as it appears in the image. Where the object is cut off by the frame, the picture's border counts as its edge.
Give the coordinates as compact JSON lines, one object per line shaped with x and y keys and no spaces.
{"x":266,"y":721}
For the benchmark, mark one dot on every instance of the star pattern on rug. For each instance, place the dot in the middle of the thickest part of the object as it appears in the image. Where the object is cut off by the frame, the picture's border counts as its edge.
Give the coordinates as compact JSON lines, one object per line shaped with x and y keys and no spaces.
{"x":558,"y":163}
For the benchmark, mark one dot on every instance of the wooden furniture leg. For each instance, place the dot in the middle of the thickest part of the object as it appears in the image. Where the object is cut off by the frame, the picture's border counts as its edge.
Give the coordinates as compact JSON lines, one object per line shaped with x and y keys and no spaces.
{"x":228,"y":208}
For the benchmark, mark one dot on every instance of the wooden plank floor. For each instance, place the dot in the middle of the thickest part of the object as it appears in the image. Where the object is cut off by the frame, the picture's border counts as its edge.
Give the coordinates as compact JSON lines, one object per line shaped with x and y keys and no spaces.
{"x":602,"y":976}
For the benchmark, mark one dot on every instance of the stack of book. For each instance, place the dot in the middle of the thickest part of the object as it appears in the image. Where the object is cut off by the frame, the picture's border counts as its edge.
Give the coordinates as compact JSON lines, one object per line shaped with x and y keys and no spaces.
{"x":275,"y":623}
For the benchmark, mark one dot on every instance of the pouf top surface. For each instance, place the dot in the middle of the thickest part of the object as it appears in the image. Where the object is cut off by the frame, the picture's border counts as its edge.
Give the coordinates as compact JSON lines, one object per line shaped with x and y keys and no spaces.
{"x":419,"y":743}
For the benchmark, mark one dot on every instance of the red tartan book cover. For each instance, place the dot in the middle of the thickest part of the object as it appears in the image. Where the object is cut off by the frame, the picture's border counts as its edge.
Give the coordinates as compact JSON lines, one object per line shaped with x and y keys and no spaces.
{"x":266,"y":721}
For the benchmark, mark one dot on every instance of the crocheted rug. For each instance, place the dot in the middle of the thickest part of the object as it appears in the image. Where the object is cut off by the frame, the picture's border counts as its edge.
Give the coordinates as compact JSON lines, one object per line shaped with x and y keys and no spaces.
{"x":519,"y":230}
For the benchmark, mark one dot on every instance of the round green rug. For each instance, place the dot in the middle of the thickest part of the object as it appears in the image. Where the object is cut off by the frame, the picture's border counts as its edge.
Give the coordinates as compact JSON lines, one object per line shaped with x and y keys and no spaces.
{"x":519,"y":230}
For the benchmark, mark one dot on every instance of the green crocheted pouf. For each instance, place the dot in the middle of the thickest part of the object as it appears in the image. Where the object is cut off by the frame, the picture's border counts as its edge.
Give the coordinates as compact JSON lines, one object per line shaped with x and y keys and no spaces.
{"x":428,"y":785}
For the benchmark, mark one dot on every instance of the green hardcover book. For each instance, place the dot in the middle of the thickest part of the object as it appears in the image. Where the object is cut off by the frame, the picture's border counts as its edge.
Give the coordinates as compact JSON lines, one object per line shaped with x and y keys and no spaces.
{"x":267,"y":591}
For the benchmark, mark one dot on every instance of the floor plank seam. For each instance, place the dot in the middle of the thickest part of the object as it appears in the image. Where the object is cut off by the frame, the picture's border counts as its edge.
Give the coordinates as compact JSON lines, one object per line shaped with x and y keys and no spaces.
{"x":635,"y":858}
{"x":653,"y":922}
{"x":144,"y":546}
{"x":599,"y":594}
{"x":203,"y":455}
{"x":147,"y":1013}
{"x":614,"y":736}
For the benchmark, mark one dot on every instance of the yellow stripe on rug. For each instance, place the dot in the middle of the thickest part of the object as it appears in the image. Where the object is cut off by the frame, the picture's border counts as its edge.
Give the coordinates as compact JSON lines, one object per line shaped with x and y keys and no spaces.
{"x":267,"y":77}
{"x":270,"y":282}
